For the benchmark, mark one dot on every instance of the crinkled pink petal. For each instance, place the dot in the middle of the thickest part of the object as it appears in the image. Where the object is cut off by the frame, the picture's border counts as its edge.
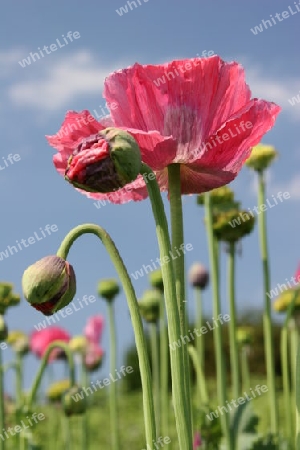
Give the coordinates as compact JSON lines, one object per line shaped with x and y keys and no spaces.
{"x":189,"y":105}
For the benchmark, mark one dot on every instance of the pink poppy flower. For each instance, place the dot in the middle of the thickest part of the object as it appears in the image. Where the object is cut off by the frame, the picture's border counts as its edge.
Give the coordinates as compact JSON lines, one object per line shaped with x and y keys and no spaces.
{"x":93,"y":357}
{"x":94,"y":328}
{"x":40,"y":341}
{"x":297,"y":275}
{"x":197,"y":113}
{"x":197,"y":441}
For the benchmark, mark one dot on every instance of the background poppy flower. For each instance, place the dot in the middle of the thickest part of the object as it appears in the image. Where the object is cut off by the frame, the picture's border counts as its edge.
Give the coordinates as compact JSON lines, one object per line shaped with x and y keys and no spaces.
{"x":40,"y":341}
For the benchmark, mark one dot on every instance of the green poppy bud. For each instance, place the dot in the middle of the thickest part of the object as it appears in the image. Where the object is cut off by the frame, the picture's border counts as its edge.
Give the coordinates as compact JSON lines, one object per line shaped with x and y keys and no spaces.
{"x":104,"y":162}
{"x":19,"y":342}
{"x":56,"y":390}
{"x":108,"y":289}
{"x":283,"y":301}
{"x":150,"y":305}
{"x":244,"y":335}
{"x":218,"y":196}
{"x":72,"y":402}
{"x":7,"y":298}
{"x":49,"y":284}
{"x":261,"y":157}
{"x":156,"y":280}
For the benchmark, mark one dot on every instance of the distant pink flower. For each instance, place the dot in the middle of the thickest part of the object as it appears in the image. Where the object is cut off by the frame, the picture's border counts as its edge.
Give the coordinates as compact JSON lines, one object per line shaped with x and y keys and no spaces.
{"x":197,"y":441}
{"x":94,"y":328}
{"x":93,"y":357}
{"x":40,"y":341}
{"x":297,"y":274}
{"x":197,"y":113}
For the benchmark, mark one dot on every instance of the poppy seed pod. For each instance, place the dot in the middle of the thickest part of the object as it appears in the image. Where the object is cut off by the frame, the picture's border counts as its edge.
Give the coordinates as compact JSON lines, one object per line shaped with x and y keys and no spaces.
{"x":108,"y":289}
{"x":150,"y":305}
{"x":73,"y":407}
{"x":3,"y":329}
{"x":261,"y":157}
{"x":49,"y":284}
{"x":198,"y":276}
{"x":104,"y":162}
{"x":232,"y":225}
{"x":156,"y":280}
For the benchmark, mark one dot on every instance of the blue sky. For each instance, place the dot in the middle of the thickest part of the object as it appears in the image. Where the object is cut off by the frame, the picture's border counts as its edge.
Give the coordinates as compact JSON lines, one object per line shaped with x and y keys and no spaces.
{"x":36,"y":97}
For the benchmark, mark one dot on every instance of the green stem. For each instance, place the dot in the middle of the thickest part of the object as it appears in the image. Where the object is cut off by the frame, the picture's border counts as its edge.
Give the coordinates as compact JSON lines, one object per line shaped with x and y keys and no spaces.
{"x":113,"y":387}
{"x":19,"y":390}
{"x":245,"y":367}
{"x":201,"y":383}
{"x":2,"y":414}
{"x":267,"y":320}
{"x":164,"y":371}
{"x":293,"y":347}
{"x":218,"y":340}
{"x":234,"y":351}
{"x":134,"y":312}
{"x":155,"y":372}
{"x":298,"y":398}
{"x":174,"y":181}
{"x":43,"y":365}
{"x":84,"y":418}
{"x":176,"y":356}
{"x":67,"y":436}
{"x":285,"y":367}
{"x":199,"y":321}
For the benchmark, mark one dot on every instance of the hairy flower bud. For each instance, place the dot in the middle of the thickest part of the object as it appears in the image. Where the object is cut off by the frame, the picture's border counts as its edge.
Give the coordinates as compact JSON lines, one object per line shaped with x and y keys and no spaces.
{"x":78,"y":344}
{"x":219,"y":196}
{"x":49,"y":284}
{"x":156,"y":280}
{"x":56,"y":390}
{"x":108,"y":289}
{"x":150,"y":305}
{"x":198,"y":276}
{"x":261,"y":157}
{"x":7,"y":297}
{"x":104,"y":162}
{"x":74,"y":407}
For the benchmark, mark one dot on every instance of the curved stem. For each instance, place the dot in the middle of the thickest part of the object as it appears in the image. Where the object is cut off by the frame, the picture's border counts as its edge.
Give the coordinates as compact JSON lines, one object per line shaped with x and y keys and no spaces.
{"x":38,"y":378}
{"x":164,"y":371}
{"x":218,"y":340}
{"x":155,"y":372}
{"x":134,"y":312}
{"x":178,"y":369}
{"x":285,"y":367}
{"x":267,"y":320}
{"x":234,"y":352}
{"x":113,"y":387}
{"x":2,"y":414}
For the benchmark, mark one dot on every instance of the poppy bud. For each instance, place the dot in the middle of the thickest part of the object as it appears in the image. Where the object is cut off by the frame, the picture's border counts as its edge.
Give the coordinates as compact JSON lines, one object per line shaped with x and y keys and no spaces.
{"x":156,"y":280}
{"x":56,"y":390}
{"x":198,"y":276}
{"x":104,"y":162}
{"x":71,"y":406}
{"x":244,"y":335}
{"x":78,"y":344}
{"x":19,"y":342}
{"x":7,"y":298}
{"x":49,"y":284}
{"x":218,"y":196}
{"x":150,"y":305}
{"x":261,"y":157}
{"x":282,"y":302}
{"x":108,"y":289}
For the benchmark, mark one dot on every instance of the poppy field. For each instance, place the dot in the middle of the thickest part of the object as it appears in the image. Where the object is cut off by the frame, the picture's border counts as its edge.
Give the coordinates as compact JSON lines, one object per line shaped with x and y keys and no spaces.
{"x":149,"y":289}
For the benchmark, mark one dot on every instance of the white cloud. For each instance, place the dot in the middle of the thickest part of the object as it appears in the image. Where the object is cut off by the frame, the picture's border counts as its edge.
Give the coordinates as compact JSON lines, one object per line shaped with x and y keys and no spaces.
{"x":9,"y":61}
{"x":52,"y":89}
{"x":292,"y":186}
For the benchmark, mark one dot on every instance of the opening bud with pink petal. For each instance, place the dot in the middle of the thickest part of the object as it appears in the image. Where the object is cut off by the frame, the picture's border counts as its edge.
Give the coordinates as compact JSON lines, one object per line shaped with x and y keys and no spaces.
{"x":104,"y":162}
{"x":49,"y":284}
